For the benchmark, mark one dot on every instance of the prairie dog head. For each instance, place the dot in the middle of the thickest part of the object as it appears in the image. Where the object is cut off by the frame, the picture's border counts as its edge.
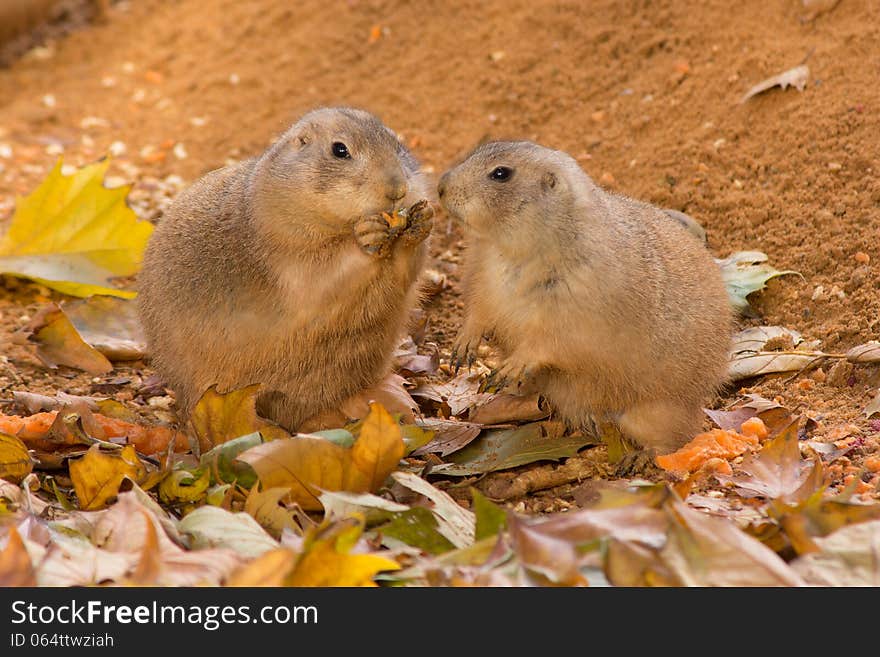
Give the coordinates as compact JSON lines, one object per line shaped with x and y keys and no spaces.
{"x":511,"y":188}
{"x":333,"y":166}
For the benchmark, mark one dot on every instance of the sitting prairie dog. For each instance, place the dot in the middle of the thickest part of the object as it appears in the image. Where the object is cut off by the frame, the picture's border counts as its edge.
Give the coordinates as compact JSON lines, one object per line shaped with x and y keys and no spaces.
{"x":609,"y":306}
{"x":282,"y":270}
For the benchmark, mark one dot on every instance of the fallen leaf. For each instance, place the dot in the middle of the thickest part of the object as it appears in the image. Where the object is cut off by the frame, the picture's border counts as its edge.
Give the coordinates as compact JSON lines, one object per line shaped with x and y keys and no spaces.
{"x":555,"y":560}
{"x":341,"y":504}
{"x":703,"y":550}
{"x":268,"y":508}
{"x":848,"y":557}
{"x":15,"y":462}
{"x":506,"y":408}
{"x":865,"y":353}
{"x":417,"y":527}
{"x":449,"y":436}
{"x":58,"y":342}
{"x":220,"y":417}
{"x":269,"y":569}
{"x":498,"y":449}
{"x":748,"y":357}
{"x":490,"y":518}
{"x":408,"y":359}
{"x":307,"y":464}
{"x":455,"y":523}
{"x":182,"y":487}
{"x":16,"y":568}
{"x":223,"y":464}
{"x":745,"y":272}
{"x":110,"y":325}
{"x":74,"y":235}
{"x":213,"y":527}
{"x":389,"y":392}
{"x":97,"y":475}
{"x":460,"y":393}
{"x":874,"y":407}
{"x":328,"y":559}
{"x":776,"y":472}
{"x":72,"y":560}
{"x":796,"y":77}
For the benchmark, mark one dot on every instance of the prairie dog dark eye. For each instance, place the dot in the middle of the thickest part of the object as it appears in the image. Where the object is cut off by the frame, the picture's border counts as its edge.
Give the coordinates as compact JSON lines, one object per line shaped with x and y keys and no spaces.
{"x":501,"y":174}
{"x":340,"y":150}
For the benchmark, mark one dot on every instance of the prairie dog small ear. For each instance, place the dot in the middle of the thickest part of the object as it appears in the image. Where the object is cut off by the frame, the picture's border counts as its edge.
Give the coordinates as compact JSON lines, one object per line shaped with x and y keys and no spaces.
{"x":549,"y":181}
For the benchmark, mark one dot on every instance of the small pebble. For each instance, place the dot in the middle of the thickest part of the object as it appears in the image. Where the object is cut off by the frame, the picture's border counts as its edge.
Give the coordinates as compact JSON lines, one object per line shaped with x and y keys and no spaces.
{"x":117,"y":148}
{"x":862,"y":258}
{"x":198,"y":121}
{"x":49,"y":100}
{"x":5,"y":151}
{"x":179,"y":151}
{"x":607,"y":178}
{"x":234,"y":78}
{"x":835,"y":166}
{"x":818,"y":292}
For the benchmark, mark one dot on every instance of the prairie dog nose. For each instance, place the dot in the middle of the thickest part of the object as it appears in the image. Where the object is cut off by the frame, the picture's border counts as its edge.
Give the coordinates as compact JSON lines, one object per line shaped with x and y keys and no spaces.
{"x":396,"y":189}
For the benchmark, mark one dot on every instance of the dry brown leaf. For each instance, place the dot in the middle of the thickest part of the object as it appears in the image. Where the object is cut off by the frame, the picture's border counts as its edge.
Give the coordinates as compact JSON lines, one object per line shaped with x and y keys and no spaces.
{"x":865,"y":353}
{"x":748,"y":356}
{"x":449,"y":436}
{"x":408,"y":359}
{"x":307,"y":464}
{"x":706,"y":551}
{"x":460,"y":393}
{"x":458,"y":525}
{"x":796,"y":77}
{"x":555,"y":560}
{"x":507,"y":408}
{"x":221,"y":417}
{"x":97,"y":475}
{"x":848,"y":557}
{"x":58,"y":343}
{"x":16,"y":568}
{"x":776,"y":472}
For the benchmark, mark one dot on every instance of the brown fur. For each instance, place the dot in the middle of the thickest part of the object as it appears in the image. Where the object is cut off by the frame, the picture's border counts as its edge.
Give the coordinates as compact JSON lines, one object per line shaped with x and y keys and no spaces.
{"x":278,"y":270}
{"x":607,"y":304}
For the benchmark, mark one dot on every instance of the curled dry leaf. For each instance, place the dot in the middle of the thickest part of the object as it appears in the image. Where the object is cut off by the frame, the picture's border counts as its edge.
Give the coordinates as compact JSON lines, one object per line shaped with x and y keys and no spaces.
{"x":307,"y":464}
{"x":220,"y":417}
{"x":796,"y":77}
{"x":507,"y":408}
{"x":268,"y":508}
{"x":407,"y":358}
{"x":15,"y":461}
{"x":58,"y":342}
{"x":745,"y":272}
{"x":97,"y":475}
{"x":74,"y":235}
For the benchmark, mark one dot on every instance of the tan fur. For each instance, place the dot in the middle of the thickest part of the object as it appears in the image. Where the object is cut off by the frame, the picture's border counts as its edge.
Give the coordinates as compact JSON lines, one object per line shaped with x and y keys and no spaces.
{"x":270,"y":271}
{"x":607,"y":304}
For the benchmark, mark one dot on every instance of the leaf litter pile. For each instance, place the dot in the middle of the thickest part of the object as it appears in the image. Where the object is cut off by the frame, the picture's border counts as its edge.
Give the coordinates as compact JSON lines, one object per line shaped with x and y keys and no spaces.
{"x":424,"y":480}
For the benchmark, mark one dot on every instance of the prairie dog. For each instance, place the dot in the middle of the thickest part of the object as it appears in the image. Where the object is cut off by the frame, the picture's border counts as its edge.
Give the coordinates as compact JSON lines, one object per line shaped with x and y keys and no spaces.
{"x":281,"y":269}
{"x":607,"y":304}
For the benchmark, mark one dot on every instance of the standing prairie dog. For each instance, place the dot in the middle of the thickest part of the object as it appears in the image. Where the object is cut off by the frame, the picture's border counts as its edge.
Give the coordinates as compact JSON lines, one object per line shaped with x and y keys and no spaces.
{"x":608,"y":305}
{"x":282,"y":270}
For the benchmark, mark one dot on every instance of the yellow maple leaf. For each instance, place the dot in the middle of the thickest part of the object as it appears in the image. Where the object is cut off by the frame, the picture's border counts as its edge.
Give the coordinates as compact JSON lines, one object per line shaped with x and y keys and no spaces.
{"x":326,"y":559}
{"x":97,"y":475}
{"x":74,"y":235}
{"x":308,"y":464}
